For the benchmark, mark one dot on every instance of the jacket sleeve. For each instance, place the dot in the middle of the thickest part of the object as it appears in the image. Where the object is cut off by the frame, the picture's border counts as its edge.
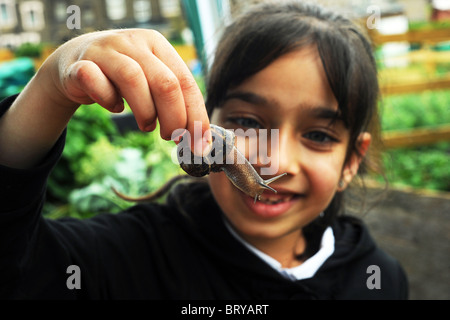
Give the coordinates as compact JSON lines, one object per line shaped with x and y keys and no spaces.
{"x":22,"y":194}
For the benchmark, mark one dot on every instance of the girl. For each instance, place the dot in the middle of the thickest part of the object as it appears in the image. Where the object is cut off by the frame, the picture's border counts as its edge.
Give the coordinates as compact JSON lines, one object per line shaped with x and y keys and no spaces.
{"x":297,"y":68}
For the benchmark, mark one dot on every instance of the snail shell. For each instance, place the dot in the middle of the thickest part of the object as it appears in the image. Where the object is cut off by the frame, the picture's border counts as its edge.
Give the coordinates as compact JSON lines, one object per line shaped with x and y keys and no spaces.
{"x":224,"y":156}
{"x":222,"y":144}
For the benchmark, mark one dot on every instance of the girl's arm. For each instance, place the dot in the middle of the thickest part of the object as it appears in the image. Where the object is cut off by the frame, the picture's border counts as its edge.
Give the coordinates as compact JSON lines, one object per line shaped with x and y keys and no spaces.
{"x":104,"y":67}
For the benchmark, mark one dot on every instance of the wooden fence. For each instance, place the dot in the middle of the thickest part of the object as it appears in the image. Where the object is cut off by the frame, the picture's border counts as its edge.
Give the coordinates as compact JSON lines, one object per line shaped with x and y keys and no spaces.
{"x":416,"y":137}
{"x":426,"y":38}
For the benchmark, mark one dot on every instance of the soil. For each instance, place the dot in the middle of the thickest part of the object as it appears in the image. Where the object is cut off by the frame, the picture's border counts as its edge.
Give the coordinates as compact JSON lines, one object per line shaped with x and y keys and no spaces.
{"x":414,"y":227}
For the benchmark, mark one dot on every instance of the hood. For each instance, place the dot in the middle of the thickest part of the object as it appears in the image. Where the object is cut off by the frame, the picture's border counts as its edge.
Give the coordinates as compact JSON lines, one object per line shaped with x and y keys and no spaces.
{"x":346,"y":269}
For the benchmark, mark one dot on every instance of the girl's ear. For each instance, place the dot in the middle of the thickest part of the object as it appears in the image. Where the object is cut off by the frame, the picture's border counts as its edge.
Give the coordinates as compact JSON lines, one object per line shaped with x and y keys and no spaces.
{"x":351,"y":167}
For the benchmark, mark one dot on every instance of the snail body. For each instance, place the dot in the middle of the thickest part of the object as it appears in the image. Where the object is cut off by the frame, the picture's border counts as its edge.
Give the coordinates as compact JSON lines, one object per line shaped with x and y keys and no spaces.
{"x":224,"y":156}
{"x":245,"y":178}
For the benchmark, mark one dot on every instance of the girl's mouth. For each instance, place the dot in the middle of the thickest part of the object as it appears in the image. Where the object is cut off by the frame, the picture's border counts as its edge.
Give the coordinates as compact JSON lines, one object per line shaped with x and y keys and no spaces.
{"x":271,"y":205}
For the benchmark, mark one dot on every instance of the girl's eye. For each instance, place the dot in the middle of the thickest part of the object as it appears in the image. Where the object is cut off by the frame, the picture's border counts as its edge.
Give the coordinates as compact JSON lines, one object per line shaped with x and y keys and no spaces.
{"x":245,"y":122}
{"x":319,"y":137}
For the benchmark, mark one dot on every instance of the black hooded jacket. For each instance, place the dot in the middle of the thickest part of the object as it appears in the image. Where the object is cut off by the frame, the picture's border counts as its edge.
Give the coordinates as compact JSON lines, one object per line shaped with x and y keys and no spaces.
{"x":168,"y":251}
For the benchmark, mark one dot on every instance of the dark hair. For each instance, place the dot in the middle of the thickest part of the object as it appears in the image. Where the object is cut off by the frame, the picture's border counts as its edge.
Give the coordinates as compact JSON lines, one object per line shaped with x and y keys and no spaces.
{"x":270,"y":30}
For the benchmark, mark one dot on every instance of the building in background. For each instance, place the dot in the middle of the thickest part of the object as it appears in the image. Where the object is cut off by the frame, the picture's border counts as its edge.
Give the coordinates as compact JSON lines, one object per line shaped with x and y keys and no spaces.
{"x":45,"y":21}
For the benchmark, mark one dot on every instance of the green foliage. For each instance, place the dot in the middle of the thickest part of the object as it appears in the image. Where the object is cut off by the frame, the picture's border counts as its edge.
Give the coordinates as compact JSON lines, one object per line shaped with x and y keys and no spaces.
{"x":89,"y":124}
{"x":422,"y":167}
{"x":32,"y":50}
{"x":125,"y":169}
{"x":97,"y":158}
{"x":401,"y":112}
{"x":429,"y":25}
{"x":201,"y":84}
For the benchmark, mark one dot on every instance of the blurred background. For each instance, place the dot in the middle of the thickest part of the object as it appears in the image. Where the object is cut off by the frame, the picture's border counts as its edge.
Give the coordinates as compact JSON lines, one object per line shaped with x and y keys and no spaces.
{"x":411,"y":42}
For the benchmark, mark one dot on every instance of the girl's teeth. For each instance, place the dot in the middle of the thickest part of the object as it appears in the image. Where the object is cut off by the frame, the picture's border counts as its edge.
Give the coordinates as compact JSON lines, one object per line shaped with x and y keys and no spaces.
{"x":275,"y":201}
{"x":270,"y":201}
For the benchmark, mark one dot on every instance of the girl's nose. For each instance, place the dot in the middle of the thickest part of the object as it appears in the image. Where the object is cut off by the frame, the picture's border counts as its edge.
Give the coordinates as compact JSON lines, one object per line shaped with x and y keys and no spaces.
{"x":282,"y":154}
{"x":288,"y":153}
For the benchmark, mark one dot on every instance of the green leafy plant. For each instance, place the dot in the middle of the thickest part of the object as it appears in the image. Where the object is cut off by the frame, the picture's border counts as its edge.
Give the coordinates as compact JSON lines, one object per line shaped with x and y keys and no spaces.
{"x":97,"y":158}
{"x":422,"y":167}
{"x":125,"y":169}
{"x":429,"y":108}
{"x":89,"y":124}
{"x":32,"y":50}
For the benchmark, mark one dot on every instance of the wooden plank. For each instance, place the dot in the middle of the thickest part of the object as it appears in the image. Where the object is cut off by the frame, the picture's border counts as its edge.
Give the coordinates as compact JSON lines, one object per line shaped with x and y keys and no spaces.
{"x":416,"y":137}
{"x":423,"y":56}
{"x":413,"y":36}
{"x":429,"y":84}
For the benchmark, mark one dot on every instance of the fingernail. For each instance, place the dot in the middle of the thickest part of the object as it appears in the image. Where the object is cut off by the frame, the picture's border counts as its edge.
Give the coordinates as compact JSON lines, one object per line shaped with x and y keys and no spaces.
{"x":150,"y":127}
{"x":118,"y":107}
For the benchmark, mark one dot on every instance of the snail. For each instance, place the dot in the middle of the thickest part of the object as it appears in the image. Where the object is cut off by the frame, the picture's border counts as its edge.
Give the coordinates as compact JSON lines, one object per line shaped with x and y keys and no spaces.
{"x":223,"y":156}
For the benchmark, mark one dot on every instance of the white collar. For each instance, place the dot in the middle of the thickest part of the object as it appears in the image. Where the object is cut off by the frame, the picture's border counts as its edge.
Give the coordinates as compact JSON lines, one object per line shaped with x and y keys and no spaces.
{"x":304,"y":271}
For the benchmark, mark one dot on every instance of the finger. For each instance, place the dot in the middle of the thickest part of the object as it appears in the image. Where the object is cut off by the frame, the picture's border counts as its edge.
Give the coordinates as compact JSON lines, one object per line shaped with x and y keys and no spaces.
{"x":86,"y":84}
{"x":193,"y":98}
{"x":128,"y":77}
{"x":167,"y":95}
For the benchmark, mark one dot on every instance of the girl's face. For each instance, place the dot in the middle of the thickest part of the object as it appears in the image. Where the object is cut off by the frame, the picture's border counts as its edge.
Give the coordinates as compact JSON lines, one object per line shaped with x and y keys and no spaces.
{"x":292,"y":95}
